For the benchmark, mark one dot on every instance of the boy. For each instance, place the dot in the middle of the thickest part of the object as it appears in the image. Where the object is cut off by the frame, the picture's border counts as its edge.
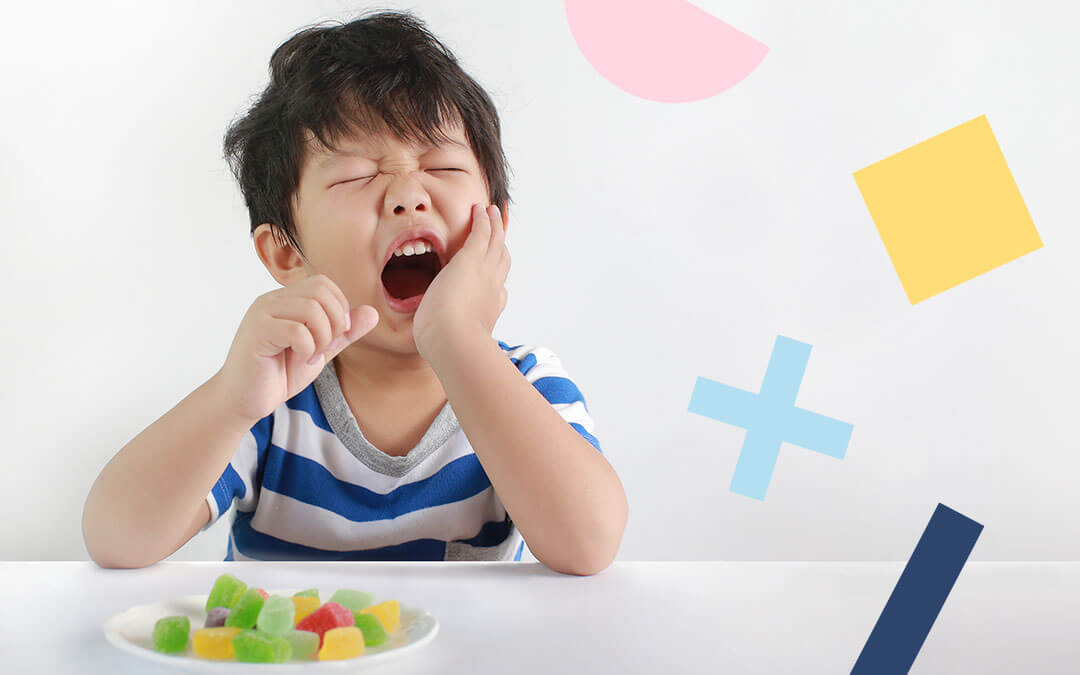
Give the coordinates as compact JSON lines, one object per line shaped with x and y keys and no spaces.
{"x":366,"y":167}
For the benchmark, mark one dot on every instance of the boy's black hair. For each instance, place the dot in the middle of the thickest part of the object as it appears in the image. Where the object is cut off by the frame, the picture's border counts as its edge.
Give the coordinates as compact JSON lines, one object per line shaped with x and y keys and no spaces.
{"x":382,"y":74}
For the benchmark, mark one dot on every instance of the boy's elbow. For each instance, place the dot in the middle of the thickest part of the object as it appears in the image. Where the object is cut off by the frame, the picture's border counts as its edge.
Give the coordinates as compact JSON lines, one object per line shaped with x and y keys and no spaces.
{"x":585,"y":564}
{"x":109,"y":558}
{"x":110,"y":562}
{"x":105,"y":554}
{"x":582,"y":568}
{"x":597,"y":564}
{"x":598,"y":553}
{"x":109,"y":553}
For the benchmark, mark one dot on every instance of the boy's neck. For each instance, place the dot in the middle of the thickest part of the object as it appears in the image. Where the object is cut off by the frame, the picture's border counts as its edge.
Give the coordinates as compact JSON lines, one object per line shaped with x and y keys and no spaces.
{"x":376,"y":374}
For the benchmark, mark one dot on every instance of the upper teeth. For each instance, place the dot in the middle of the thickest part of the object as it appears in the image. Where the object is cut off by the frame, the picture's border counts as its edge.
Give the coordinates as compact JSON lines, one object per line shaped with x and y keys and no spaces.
{"x":413,"y":247}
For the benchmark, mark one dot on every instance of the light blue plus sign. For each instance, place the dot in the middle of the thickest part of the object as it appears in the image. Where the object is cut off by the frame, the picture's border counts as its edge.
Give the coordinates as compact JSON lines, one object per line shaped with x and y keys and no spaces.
{"x":770,"y":418}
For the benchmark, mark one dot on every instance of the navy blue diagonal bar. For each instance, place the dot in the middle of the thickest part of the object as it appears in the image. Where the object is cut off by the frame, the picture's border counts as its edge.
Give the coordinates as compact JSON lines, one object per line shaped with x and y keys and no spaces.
{"x":920,"y":594}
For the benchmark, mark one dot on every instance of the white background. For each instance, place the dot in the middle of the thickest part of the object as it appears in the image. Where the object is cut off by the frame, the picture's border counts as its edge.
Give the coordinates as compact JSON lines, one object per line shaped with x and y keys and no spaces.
{"x":652,"y":243}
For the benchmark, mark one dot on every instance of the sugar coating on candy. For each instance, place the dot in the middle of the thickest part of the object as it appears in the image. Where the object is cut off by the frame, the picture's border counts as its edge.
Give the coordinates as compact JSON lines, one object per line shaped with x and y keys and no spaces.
{"x":305,"y":644}
{"x":304,"y":606}
{"x":276,"y":615}
{"x":256,"y":646}
{"x":253,"y":626}
{"x":214,"y":643}
{"x":246,"y":610}
{"x":330,"y":615}
{"x":215,"y":618}
{"x":171,"y":634}
{"x":371,"y":627}
{"x":389,"y":613}
{"x":345,"y":642}
{"x":354,"y":600}
{"x":226,"y":591}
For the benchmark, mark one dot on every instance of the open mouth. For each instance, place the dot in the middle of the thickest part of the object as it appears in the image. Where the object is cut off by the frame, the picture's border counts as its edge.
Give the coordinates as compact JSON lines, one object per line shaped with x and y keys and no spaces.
{"x":408,"y":276}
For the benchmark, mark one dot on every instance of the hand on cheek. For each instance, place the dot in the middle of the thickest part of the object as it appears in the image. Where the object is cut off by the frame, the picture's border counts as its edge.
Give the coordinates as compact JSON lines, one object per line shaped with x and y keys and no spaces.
{"x":468,"y":295}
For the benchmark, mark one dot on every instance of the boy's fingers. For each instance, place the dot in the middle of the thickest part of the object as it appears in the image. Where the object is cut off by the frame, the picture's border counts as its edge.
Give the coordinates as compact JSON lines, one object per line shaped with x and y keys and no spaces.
{"x":337,"y":293}
{"x":309,"y":312}
{"x":480,"y":221}
{"x":329,"y":298}
{"x":504,"y":264}
{"x":495,"y":219}
{"x":363,"y":319}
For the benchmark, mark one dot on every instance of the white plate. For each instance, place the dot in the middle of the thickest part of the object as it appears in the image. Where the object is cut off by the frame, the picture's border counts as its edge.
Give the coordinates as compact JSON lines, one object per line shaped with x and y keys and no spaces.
{"x":132,"y":630}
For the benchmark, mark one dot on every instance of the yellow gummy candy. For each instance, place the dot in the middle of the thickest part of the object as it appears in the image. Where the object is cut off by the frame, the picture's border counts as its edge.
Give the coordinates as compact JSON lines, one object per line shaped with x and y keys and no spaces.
{"x":343,"y":642}
{"x":214,"y":643}
{"x":388,"y":613}
{"x":304,"y":605}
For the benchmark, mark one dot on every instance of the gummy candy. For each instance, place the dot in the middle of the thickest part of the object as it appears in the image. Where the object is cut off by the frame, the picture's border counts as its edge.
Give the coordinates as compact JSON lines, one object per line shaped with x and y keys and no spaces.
{"x":256,"y":646}
{"x":252,"y":625}
{"x":215,"y":618}
{"x":304,"y":605}
{"x":246,"y":610}
{"x":276,"y":615}
{"x":371,"y":627}
{"x":342,"y":643}
{"x":305,"y":644}
{"x":171,"y":634}
{"x":214,"y":643}
{"x":354,"y":600}
{"x":227,"y":590}
{"x":389,"y":613}
{"x":330,"y":615}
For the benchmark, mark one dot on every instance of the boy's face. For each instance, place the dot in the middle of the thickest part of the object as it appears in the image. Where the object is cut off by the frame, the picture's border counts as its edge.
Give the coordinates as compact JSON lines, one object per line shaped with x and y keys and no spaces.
{"x":352,"y":207}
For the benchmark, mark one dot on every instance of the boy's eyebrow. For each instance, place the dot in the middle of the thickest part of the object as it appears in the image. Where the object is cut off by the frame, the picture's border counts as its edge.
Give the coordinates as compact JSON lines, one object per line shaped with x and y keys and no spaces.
{"x":333,"y":157}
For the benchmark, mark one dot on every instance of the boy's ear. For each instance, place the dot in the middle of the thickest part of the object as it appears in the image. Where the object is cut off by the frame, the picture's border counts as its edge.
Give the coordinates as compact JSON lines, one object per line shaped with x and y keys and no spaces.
{"x":283,"y":262}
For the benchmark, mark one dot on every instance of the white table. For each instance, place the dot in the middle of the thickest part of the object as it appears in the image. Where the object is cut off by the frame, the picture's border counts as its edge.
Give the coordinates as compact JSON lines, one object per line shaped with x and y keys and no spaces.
{"x":634,"y":617}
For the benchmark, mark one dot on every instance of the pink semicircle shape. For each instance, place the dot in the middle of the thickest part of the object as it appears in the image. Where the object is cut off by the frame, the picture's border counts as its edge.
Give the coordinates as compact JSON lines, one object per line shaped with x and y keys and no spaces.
{"x":662,"y":50}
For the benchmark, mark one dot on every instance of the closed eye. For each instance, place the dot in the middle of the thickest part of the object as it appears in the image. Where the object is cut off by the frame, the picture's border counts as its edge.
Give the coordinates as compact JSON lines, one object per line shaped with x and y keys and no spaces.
{"x":367,"y":177}
{"x":351,"y":180}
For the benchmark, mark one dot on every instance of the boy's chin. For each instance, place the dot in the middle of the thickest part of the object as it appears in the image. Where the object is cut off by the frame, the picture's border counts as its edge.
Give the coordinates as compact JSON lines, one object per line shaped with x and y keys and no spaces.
{"x":398,"y":338}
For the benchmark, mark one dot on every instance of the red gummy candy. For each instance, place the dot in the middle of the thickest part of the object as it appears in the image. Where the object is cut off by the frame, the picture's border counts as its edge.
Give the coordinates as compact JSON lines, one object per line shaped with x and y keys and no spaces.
{"x":329,"y":615}
{"x":263,"y":593}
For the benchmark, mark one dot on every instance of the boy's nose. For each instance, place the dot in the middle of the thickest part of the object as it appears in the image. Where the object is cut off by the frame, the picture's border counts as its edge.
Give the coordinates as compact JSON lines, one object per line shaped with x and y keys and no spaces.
{"x":403,"y":196}
{"x":400,"y":208}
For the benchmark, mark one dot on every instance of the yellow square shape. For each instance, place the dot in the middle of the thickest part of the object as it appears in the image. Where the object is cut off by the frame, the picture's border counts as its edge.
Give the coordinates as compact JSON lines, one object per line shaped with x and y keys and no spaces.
{"x":948,"y":209}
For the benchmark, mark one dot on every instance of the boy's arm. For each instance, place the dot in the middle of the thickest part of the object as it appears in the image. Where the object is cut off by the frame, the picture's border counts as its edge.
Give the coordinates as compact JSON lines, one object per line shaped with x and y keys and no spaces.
{"x":150,"y":499}
{"x":561,"y":492}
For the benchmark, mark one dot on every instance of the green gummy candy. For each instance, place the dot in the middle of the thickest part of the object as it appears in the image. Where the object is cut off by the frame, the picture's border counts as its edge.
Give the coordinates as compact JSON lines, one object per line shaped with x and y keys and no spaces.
{"x":305,"y":644}
{"x":354,"y":600}
{"x":227,"y":590}
{"x":310,"y":593}
{"x":256,"y":646}
{"x":246,"y":610}
{"x":276,"y":615}
{"x":171,"y":634}
{"x":371,"y":627}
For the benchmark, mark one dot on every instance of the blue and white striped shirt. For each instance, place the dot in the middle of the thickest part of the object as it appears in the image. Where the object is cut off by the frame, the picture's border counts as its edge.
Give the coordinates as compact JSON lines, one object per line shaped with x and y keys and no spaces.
{"x":309,"y":486}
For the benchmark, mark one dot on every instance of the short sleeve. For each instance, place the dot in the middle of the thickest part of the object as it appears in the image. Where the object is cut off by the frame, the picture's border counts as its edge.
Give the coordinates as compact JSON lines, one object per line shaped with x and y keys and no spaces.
{"x":239,"y":480}
{"x":545,"y":371}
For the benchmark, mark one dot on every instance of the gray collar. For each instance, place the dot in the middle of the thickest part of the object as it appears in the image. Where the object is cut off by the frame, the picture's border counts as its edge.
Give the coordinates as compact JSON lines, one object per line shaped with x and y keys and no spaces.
{"x":342,"y":421}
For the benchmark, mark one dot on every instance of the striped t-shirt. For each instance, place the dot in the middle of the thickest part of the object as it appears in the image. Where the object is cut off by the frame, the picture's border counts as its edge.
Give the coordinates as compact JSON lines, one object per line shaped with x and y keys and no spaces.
{"x":309,"y":486}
